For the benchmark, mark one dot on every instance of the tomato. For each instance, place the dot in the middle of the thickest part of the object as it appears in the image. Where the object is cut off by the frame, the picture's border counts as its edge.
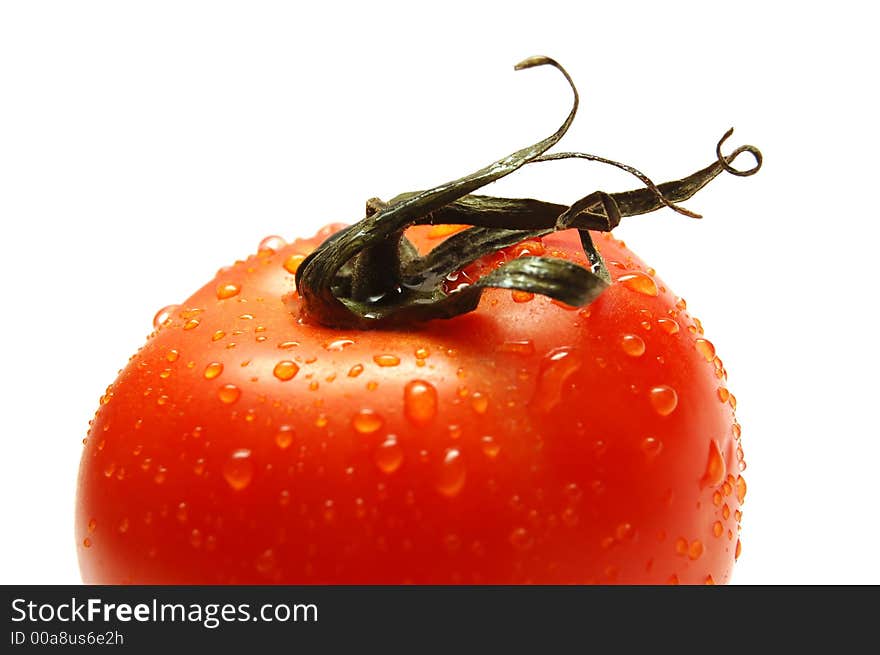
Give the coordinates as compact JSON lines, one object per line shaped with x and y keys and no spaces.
{"x":528,"y":441}
{"x":305,"y":417}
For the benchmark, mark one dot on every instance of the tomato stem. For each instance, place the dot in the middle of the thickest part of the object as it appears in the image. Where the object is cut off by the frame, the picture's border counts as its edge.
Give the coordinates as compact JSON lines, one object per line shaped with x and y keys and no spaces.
{"x":370,"y":276}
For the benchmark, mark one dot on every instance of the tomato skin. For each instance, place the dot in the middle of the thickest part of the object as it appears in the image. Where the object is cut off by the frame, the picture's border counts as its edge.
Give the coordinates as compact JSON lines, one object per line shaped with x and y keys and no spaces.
{"x":530,"y":447}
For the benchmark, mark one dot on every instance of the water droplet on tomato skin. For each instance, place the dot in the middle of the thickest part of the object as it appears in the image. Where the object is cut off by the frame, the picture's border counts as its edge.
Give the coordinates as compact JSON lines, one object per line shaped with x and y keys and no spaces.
{"x":366,"y":421}
{"x":705,"y":348}
{"x":227,"y":290}
{"x":335,"y":345}
{"x":639,"y":282}
{"x":633,"y":345}
{"x":87,"y":543}
{"x":652,"y":446}
{"x":695,"y":550}
{"x":292,"y":263}
{"x":525,"y":347}
{"x":420,"y":401}
{"x":521,"y":296}
{"x":386,"y":360}
{"x":664,"y":399}
{"x":479,"y":402}
{"x":451,"y":474}
{"x":521,"y":539}
{"x":173,"y":355}
{"x":389,"y":455}
{"x":191,"y":324}
{"x":490,"y":447}
{"x":555,"y":372}
{"x":238,"y":470}
{"x":355,"y":370}
{"x":717,"y":528}
{"x":738,"y":551}
{"x":92,"y":525}
{"x":284,"y":437}
{"x":715,"y":467}
{"x":228,"y":394}
{"x":740,"y":489}
{"x":272,"y":243}
{"x":285,"y":370}
{"x":212,"y":370}
{"x":164,"y":316}
{"x":668,"y":325}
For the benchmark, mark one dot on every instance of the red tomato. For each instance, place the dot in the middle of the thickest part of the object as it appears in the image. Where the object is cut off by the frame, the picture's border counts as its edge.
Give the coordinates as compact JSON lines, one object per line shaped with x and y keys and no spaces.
{"x":526,"y":442}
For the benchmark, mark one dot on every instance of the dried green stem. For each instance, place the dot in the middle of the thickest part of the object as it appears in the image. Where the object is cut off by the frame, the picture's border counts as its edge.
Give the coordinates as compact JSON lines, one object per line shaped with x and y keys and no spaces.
{"x":370,"y":276}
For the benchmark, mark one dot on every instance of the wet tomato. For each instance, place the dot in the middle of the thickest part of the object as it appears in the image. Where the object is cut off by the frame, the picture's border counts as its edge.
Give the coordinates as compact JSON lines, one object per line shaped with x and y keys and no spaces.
{"x":307,"y":417}
{"x":527,"y":441}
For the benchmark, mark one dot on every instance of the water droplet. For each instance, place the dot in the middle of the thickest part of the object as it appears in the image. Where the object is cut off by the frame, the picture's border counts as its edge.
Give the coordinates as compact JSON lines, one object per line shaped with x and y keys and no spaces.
{"x":723,"y":394}
{"x":245,"y":317}
{"x":663,"y":399}
{"x":521,"y":296}
{"x":673,"y":580}
{"x":725,"y":511}
{"x":717,"y":498}
{"x":740,"y":489}
{"x":172,"y":355}
{"x":272,"y":243}
{"x":284,"y":436}
{"x":287,"y":345}
{"x":338,"y":344}
{"x":705,"y":348}
{"x":285,"y":370}
{"x":219,"y":334}
{"x":164,"y":316}
{"x":524,"y":347}
{"x":420,"y":401}
{"x":556,"y":369}
{"x":212,"y":370}
{"x":717,"y":528}
{"x":681,"y":546}
{"x":389,"y":455}
{"x":227,"y":290}
{"x":191,"y":324}
{"x":228,"y":393}
{"x":238,"y":470}
{"x":710,"y":580}
{"x":386,"y":360}
{"x":652,"y":446}
{"x":440,"y":231}
{"x":87,"y":543}
{"x":451,"y":474}
{"x":639,"y":282}
{"x":291,"y":264}
{"x":624,"y":531}
{"x":521,"y":539}
{"x":739,"y":549}
{"x":695,"y":550}
{"x":633,"y":345}
{"x":479,"y":402}
{"x":422,"y":353}
{"x":668,"y":325}
{"x":715,"y":468}
{"x":490,"y":447}
{"x":355,"y":370}
{"x":92,"y":525}
{"x":123,"y":526}
{"x":182,"y":512}
{"x":265,"y":563}
{"x":366,"y":421}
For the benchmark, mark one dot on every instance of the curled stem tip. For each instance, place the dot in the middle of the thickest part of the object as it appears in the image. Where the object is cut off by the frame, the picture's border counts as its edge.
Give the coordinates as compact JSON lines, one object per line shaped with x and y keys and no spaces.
{"x":727,"y":161}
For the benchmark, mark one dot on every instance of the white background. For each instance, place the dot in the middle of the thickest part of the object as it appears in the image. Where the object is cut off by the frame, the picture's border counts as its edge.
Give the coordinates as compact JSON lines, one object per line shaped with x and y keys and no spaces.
{"x":144,"y":145}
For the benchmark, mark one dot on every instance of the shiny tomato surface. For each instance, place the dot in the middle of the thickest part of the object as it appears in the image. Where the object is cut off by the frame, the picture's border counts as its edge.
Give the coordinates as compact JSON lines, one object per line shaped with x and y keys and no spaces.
{"x":526,"y":442}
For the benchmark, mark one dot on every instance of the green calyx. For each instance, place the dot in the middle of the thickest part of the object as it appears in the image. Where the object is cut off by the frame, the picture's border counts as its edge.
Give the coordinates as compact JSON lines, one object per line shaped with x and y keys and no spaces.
{"x":370,"y":276}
